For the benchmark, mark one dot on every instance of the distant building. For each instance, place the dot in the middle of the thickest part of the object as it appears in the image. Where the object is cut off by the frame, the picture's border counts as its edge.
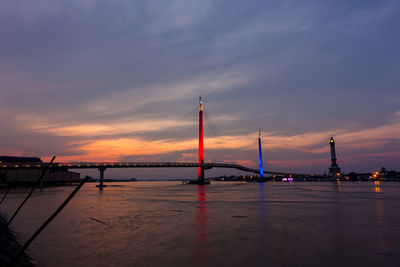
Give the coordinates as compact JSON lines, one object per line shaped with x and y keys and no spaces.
{"x":31,"y":176}
{"x":12,"y":159}
{"x":334,"y":170}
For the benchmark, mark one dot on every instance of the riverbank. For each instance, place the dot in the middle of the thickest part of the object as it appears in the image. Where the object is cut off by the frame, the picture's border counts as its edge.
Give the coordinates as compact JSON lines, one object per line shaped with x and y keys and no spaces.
{"x":9,"y":247}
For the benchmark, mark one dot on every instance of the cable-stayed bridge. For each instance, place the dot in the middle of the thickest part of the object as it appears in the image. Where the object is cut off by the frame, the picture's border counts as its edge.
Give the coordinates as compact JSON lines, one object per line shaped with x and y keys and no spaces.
{"x":102,"y":166}
{"x":200,"y":164}
{"x":110,"y":165}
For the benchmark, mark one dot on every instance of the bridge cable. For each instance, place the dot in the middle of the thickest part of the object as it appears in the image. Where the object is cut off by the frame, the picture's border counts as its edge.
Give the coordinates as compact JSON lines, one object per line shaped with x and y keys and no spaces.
{"x":217,"y":132}
{"x":181,"y":135}
{"x":141,"y":154}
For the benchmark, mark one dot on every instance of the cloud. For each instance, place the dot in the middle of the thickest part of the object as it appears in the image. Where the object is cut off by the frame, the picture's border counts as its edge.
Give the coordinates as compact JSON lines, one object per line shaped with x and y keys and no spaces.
{"x":118,"y":102}
{"x":94,"y":80}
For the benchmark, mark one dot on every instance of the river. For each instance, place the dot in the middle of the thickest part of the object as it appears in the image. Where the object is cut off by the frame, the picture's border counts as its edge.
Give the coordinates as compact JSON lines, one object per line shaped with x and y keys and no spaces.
{"x":222,"y":224}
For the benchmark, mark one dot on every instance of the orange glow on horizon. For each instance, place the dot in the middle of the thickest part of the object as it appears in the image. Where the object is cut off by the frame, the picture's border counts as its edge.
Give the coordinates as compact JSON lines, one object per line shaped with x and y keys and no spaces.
{"x":111,"y":148}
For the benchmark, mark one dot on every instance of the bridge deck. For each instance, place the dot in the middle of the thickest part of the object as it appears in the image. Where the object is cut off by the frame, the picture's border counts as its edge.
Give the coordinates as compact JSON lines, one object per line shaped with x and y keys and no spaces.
{"x":106,"y":165}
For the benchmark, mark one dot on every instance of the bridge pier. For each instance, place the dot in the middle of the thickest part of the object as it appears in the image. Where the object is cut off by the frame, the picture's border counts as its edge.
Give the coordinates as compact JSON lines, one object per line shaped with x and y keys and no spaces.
{"x":101,"y":180}
{"x":201,"y":179}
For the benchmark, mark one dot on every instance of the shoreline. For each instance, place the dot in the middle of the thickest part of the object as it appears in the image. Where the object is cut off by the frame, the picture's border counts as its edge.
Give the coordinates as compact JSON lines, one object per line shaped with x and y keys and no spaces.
{"x":9,"y":246}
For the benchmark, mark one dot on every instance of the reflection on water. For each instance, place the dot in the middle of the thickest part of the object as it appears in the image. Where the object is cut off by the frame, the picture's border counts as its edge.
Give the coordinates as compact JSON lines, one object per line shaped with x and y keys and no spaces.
{"x":223,"y":224}
{"x":262,"y":192}
{"x":380,"y":221}
{"x":377,"y":186}
{"x":201,"y":223}
{"x":262,"y":221}
{"x":338,"y":186}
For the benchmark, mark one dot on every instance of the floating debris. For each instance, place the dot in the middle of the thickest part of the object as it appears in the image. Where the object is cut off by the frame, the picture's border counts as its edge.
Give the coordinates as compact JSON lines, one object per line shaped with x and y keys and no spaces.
{"x":97,"y":220}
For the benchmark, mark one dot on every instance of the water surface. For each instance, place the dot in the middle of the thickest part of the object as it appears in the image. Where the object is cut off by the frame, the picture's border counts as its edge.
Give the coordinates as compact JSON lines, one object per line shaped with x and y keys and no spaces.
{"x":223,"y":224}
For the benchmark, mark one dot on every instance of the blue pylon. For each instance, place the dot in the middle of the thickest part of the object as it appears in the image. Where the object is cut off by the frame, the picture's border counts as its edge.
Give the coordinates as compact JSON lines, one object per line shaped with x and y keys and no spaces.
{"x":260,"y":161}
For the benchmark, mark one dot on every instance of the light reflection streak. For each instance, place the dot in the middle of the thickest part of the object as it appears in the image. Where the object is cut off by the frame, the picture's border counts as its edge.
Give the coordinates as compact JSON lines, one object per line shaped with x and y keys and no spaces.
{"x":262,"y":192}
{"x":377,"y":187}
{"x":201,"y":223}
{"x":338,"y":186}
{"x":264,"y":238}
{"x":380,"y":222}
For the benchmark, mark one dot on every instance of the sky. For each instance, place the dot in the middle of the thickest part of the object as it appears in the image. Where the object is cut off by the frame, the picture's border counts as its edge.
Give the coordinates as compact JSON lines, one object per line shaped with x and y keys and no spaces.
{"x":93,"y":80}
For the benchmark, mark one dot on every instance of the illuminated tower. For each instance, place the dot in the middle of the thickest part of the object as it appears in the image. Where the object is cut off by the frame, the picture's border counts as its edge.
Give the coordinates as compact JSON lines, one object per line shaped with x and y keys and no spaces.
{"x":334,"y":170}
{"x":260,"y":161}
{"x":201,"y":144}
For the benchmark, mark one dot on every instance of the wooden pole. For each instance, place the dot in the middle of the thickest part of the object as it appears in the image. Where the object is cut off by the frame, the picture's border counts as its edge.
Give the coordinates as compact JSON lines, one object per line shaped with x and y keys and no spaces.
{"x":31,"y":192}
{"x":41,"y":228}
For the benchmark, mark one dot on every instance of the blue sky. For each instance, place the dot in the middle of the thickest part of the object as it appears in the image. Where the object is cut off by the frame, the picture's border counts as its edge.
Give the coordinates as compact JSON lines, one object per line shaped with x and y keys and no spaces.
{"x":95,"y":80}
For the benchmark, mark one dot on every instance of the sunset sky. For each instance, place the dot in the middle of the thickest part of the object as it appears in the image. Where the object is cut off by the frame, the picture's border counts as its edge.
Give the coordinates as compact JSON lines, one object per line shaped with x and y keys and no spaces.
{"x":92,"y":80}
